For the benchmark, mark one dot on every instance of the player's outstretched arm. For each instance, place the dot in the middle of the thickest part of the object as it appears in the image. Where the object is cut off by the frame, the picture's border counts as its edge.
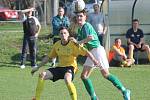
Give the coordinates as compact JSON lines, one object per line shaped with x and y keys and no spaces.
{"x":44,"y":61}
{"x":89,"y":38}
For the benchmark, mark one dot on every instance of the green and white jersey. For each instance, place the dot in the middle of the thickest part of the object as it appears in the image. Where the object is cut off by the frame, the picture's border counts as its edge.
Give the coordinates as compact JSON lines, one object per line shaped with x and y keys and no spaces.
{"x":86,"y":30}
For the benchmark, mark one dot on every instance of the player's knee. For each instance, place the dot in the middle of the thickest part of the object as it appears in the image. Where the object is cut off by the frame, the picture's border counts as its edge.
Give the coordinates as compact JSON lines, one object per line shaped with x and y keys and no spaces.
{"x":68,"y":77}
{"x":42,"y":75}
{"x":83,"y":76}
{"x":105,"y":73}
{"x":67,"y":80}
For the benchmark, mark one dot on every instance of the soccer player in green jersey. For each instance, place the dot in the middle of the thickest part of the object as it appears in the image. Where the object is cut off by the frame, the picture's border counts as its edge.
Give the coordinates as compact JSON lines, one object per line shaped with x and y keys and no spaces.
{"x":98,"y":51}
{"x":67,"y":51}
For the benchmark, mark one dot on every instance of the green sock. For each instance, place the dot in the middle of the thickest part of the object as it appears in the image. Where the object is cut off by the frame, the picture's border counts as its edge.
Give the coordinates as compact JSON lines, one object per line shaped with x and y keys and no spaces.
{"x":89,"y":87}
{"x":116,"y":82}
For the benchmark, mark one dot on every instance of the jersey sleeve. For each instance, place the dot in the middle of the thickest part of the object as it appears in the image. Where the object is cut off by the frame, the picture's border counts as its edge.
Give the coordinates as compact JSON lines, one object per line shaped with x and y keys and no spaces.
{"x":36,"y":21}
{"x":127,"y":34}
{"x":81,"y":50}
{"x":86,"y":30}
{"x":142,"y":34}
{"x":52,"y":53}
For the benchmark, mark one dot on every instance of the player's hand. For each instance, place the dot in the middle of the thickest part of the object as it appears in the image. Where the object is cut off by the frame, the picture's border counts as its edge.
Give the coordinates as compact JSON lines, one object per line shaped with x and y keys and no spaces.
{"x":89,"y":38}
{"x":96,"y":63}
{"x":36,"y":35}
{"x":73,"y":39}
{"x":32,"y":9}
{"x":34,"y":70}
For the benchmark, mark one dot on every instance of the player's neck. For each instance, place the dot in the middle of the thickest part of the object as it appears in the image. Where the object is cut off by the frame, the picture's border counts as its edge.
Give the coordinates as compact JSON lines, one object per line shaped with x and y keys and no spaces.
{"x":64,"y":42}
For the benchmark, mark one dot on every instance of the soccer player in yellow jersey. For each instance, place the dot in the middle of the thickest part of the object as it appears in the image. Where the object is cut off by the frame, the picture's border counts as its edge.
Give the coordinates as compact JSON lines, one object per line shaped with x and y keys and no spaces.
{"x":67,"y":52}
{"x":117,"y":55}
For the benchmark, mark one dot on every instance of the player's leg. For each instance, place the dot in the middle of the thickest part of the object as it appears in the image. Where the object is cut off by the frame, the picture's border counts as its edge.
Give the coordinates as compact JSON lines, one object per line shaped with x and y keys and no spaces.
{"x":112,"y":78}
{"x":88,"y":67}
{"x":117,"y":83}
{"x":72,"y":89}
{"x":40,"y":85}
{"x":87,"y":82}
{"x":104,"y":68}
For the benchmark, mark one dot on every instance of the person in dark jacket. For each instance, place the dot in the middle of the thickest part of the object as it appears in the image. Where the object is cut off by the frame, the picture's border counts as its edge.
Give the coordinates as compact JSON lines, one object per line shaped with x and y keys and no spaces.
{"x":31,"y":28}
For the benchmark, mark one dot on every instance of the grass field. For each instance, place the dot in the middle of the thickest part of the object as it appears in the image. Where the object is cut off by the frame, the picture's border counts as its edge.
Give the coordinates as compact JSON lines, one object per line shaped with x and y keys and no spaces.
{"x":18,"y":84}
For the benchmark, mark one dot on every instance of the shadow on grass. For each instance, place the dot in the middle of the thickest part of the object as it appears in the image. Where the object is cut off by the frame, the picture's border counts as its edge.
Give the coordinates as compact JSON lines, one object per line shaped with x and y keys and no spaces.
{"x":15,"y":61}
{"x":9,"y":64}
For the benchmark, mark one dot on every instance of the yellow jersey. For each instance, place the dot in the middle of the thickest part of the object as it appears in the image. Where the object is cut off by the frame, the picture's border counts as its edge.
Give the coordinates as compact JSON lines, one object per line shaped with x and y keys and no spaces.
{"x":67,"y":54}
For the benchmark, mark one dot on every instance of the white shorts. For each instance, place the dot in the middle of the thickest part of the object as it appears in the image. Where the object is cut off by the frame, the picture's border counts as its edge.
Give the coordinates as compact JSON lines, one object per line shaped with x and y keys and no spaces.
{"x":100,"y":54}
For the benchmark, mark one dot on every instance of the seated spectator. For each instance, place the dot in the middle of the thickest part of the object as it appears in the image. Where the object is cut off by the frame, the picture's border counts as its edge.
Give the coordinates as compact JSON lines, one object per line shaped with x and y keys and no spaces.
{"x":135,"y":39}
{"x":117,"y":56}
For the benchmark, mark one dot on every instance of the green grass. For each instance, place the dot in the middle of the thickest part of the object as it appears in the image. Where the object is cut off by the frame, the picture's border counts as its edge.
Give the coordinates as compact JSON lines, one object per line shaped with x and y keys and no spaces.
{"x":10,"y":26}
{"x":18,"y":84}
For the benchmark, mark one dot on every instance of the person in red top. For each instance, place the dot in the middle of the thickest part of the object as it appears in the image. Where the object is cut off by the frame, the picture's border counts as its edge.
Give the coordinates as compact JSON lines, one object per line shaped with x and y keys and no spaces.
{"x":117,"y":55}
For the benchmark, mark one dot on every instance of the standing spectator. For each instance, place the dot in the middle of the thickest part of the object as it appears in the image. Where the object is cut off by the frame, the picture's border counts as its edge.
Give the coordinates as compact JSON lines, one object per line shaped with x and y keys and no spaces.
{"x":117,"y":56}
{"x":31,"y":28}
{"x":67,"y":52}
{"x":57,"y":22}
{"x":86,"y":30}
{"x":135,"y":39}
{"x":98,"y":21}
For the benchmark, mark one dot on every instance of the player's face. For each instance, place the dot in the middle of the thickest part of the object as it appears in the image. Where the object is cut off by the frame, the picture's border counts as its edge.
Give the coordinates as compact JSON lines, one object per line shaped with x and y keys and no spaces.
{"x":64,"y":34}
{"x":81,"y":18}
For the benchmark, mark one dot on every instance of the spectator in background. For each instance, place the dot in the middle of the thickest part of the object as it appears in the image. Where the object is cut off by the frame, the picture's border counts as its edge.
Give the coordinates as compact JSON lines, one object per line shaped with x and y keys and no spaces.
{"x":117,"y":56}
{"x":57,"y":22}
{"x":31,"y":28}
{"x":135,"y":39}
{"x":98,"y":21}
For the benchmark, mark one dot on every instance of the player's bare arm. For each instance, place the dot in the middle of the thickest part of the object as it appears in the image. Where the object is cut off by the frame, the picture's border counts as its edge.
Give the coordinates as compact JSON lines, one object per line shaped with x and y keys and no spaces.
{"x":44,"y":61}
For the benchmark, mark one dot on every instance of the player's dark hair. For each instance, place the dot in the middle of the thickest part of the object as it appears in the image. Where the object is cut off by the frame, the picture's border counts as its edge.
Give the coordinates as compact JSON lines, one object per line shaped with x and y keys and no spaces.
{"x":63,"y":27}
{"x":84,"y":11}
